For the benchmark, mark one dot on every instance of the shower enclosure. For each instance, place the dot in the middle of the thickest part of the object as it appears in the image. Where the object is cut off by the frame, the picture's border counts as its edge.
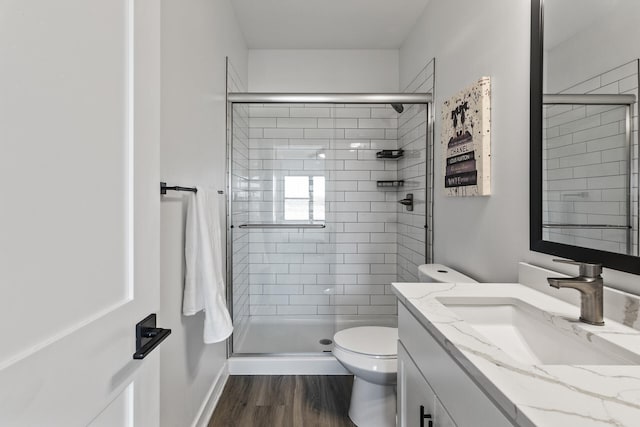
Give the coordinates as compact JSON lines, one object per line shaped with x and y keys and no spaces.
{"x":315,"y":230}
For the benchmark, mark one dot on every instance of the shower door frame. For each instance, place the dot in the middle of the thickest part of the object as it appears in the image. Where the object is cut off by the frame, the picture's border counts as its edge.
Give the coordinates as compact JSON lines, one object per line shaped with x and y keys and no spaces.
{"x":311,"y":98}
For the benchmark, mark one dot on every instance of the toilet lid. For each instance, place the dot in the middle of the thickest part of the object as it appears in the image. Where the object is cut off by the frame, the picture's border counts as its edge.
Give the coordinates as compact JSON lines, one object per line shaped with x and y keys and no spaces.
{"x":369,"y":340}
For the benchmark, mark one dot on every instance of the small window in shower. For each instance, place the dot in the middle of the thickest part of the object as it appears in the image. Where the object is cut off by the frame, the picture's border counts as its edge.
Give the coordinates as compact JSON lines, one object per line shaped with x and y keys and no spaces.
{"x":304,"y":198}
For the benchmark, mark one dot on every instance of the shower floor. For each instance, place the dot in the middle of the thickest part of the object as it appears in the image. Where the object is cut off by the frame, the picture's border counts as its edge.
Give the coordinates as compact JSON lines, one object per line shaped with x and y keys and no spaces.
{"x":280,"y":334}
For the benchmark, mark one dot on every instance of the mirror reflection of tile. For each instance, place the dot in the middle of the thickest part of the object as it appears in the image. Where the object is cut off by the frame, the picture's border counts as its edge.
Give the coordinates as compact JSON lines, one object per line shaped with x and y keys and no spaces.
{"x":586,"y":169}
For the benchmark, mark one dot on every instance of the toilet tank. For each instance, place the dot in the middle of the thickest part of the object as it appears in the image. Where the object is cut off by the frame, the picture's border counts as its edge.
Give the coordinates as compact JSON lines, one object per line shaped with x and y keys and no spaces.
{"x":429,"y":273}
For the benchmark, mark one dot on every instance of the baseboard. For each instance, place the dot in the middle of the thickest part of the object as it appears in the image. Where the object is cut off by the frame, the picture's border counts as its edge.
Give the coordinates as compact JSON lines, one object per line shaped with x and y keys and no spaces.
{"x":209,"y":405}
{"x":286,"y":365}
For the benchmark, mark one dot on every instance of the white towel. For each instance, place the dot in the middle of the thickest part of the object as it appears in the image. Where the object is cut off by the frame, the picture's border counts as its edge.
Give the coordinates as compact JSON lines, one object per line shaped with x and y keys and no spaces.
{"x":204,"y":287}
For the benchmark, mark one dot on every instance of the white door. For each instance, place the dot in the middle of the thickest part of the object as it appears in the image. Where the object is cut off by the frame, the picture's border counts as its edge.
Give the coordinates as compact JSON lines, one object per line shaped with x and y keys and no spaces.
{"x":79,"y":211}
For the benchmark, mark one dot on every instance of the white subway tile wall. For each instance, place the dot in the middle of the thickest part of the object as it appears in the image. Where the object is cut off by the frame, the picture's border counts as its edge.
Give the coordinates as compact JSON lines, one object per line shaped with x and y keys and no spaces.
{"x":415,"y":229}
{"x":240,"y":195}
{"x":311,"y":163}
{"x":586,"y":165}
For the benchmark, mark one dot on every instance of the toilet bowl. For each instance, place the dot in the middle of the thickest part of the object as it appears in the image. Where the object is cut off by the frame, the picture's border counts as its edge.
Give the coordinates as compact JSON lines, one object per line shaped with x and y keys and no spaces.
{"x":370,"y":353}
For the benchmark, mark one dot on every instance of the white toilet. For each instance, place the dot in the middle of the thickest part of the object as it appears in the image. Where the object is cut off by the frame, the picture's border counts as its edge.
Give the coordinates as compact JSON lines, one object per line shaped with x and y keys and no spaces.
{"x":370,"y":353}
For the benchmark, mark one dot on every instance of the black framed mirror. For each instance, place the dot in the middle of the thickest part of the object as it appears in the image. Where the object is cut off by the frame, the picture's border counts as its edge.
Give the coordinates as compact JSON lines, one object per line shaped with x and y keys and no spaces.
{"x":584,"y":131}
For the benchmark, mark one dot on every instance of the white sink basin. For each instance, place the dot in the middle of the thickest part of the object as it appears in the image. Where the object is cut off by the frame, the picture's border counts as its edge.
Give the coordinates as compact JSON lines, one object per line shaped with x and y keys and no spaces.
{"x":525,"y":333}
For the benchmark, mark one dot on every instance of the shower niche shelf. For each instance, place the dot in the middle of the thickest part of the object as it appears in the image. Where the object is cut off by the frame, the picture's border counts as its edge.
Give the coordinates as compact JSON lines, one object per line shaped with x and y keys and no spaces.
{"x":390,"y":184}
{"x":390,"y":154}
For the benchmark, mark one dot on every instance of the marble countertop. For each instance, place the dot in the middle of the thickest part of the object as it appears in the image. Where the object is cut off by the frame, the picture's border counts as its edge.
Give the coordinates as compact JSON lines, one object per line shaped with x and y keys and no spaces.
{"x":534,"y":395}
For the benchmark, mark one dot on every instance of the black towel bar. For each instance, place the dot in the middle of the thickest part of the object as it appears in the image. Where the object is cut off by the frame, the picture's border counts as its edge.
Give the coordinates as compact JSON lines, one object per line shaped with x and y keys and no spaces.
{"x":164,"y":188}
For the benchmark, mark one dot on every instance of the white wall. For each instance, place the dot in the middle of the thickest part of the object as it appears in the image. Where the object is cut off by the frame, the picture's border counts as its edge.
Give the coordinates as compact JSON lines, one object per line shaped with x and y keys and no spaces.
{"x":319,"y":70}
{"x":485,"y":236}
{"x":482,"y":236}
{"x":196,"y":37}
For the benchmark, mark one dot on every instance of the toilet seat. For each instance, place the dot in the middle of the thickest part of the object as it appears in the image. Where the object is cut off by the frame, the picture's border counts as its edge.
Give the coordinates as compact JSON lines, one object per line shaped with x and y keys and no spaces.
{"x":374,"y":369}
{"x":376,"y":342}
{"x":369,"y":352}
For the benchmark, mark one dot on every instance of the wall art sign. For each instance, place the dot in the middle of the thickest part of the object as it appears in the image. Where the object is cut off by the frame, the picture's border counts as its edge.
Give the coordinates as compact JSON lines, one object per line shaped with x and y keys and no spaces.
{"x":466,"y":141}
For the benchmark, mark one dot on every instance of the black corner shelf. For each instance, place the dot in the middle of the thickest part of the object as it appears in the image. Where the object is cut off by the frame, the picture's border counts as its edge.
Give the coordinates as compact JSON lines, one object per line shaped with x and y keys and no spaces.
{"x":390,"y":184}
{"x":389,"y":154}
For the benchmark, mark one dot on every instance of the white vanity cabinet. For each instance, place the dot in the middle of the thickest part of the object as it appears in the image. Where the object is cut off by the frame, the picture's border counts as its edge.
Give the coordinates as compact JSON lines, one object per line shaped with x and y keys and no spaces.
{"x":417,"y":403}
{"x":429,"y":377}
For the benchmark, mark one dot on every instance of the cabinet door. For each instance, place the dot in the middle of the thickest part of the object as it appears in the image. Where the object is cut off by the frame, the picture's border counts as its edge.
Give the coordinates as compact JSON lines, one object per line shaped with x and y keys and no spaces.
{"x":468,"y":405}
{"x":442,"y":417}
{"x":416,"y":400}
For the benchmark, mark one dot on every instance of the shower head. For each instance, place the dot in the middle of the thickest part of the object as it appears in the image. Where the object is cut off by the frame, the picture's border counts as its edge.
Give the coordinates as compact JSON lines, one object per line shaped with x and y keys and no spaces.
{"x":398,"y":107}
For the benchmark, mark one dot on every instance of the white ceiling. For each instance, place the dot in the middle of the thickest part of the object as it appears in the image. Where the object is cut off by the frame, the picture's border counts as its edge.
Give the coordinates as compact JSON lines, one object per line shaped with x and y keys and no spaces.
{"x":327,"y":24}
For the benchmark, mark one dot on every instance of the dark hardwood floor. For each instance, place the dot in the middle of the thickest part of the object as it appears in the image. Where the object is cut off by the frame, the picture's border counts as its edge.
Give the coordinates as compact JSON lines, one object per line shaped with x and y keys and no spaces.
{"x":284,"y":401}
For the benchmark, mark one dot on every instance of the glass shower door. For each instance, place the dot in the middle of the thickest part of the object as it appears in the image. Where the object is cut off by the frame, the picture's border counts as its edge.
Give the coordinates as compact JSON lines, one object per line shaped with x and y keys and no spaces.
{"x":281,"y":238}
{"x":318,"y":234}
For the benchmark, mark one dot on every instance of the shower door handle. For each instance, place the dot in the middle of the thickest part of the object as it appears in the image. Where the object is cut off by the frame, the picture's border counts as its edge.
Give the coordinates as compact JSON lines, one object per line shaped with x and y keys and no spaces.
{"x":282,"y":225}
